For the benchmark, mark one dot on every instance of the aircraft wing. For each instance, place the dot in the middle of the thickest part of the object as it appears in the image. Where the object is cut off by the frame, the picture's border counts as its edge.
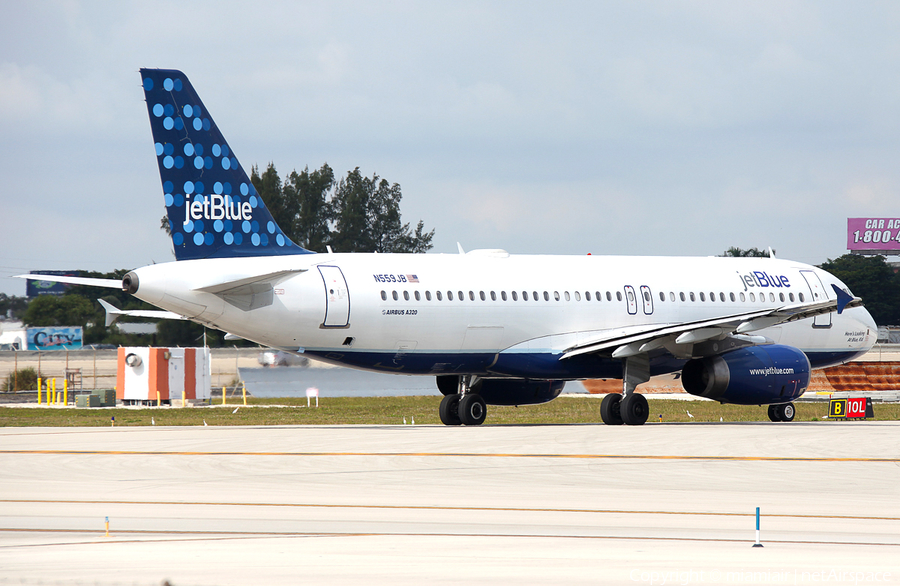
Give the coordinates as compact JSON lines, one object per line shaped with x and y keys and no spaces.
{"x":623,"y":345}
{"x":108,"y":283}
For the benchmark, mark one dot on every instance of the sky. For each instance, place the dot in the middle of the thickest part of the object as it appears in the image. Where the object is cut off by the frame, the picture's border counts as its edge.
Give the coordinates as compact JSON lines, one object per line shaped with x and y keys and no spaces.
{"x":650,"y":128}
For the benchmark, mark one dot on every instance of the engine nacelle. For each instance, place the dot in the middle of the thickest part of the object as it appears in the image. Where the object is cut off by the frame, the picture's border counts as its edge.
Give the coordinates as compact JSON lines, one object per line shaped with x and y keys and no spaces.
{"x":507,"y":391}
{"x":758,"y":375}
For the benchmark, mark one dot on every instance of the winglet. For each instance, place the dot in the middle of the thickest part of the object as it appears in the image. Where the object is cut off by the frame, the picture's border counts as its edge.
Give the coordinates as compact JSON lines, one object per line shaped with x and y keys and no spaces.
{"x":112,"y":312}
{"x":842,"y":298}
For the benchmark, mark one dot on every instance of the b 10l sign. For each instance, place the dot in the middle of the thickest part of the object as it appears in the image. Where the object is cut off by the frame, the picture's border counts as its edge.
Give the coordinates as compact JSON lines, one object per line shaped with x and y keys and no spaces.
{"x":873,"y":234}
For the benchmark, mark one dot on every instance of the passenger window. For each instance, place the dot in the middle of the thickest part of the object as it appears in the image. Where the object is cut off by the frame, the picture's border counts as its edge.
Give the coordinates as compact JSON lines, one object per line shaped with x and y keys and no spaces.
{"x":566,"y":293}
{"x":472,"y":295}
{"x":515,"y":296}
{"x":752,"y":297}
{"x":672,"y":296}
{"x":493,"y":296}
{"x":460,"y":296}
{"x":418,"y":297}
{"x":556,"y":295}
{"x":682,"y":296}
{"x":587,"y":295}
{"x":438,"y":293}
{"x":577,"y":296}
{"x":771,"y":298}
{"x":722,"y":297}
{"x":662,"y":296}
{"x":801,"y":297}
{"x":449,"y":295}
{"x":743,"y":298}
{"x":692,"y":297}
{"x":791,"y":297}
{"x":781,"y":296}
{"x":427,"y":295}
{"x":702,"y":296}
{"x":384,"y":295}
{"x":546,"y":296}
{"x":524,"y":295}
{"x":534,"y":295}
{"x":406,"y":295}
{"x":599,"y":296}
{"x":394,"y":295}
{"x":619,"y":295}
{"x":503,"y":295}
{"x":609,"y":296}
{"x":732,"y":297}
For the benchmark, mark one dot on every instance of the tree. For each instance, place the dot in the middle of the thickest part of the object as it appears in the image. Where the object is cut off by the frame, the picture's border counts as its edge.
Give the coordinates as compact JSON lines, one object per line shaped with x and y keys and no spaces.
{"x":750,"y":252}
{"x":872,"y":279}
{"x":366,"y":215}
{"x":309,"y":193}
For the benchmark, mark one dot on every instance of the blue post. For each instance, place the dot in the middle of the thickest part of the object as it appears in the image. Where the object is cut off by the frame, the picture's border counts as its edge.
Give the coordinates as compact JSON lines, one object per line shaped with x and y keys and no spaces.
{"x":757,"y":544}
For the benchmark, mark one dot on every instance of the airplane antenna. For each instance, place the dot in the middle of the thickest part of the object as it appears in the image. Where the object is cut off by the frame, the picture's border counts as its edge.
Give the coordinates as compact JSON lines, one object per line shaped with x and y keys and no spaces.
{"x":328,"y":248}
{"x":459,"y":246}
{"x":771,"y":253}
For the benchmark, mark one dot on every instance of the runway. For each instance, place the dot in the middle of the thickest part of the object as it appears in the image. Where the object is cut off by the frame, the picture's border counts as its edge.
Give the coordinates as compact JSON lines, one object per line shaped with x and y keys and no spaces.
{"x":579,"y":504}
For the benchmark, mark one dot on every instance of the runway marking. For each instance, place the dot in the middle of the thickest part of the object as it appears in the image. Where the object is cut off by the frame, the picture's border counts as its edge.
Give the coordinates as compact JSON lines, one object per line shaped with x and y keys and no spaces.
{"x":278,"y":534}
{"x":452,"y":455}
{"x":440,"y":508}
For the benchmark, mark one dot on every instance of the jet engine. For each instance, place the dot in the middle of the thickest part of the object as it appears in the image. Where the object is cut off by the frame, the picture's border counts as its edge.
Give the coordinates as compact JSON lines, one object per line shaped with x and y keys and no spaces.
{"x":757,"y":375}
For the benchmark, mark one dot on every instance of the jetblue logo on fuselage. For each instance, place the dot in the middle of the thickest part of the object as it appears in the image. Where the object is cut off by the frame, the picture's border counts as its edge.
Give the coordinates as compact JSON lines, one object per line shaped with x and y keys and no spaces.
{"x":218,"y":207}
{"x":763,"y":279}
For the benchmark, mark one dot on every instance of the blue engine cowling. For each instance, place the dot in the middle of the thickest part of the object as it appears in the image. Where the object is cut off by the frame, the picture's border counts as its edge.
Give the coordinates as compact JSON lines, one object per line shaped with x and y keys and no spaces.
{"x":758,"y":375}
{"x":507,"y":391}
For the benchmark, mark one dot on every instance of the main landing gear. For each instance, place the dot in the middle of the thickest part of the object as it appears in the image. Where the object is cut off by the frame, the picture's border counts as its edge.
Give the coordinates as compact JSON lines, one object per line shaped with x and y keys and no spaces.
{"x":783,"y":412}
{"x":465,"y":407}
{"x":629,"y":408}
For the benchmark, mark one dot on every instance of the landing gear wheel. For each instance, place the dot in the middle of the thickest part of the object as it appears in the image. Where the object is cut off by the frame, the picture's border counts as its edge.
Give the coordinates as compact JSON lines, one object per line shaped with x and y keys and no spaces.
{"x":786,"y":412}
{"x":449,"y":410}
{"x":472,"y":409}
{"x":634,"y":409}
{"x":609,"y":409}
{"x":783,"y":412}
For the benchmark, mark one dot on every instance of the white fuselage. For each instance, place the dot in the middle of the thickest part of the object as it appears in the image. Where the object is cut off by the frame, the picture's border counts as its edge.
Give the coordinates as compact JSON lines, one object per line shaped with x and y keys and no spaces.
{"x":491,"y":313}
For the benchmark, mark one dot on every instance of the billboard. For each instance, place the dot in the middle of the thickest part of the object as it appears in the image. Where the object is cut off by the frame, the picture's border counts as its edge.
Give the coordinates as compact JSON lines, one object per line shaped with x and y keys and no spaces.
{"x":36,"y":288}
{"x":873,"y":235}
{"x":54,"y":338}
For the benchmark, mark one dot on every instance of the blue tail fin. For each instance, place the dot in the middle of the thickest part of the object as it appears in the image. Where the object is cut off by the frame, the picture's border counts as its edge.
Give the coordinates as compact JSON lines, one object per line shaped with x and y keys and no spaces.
{"x":213,"y":209}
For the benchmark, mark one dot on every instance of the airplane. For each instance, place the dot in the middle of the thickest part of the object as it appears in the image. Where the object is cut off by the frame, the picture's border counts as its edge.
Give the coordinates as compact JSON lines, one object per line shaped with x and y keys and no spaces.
{"x":493,"y":328}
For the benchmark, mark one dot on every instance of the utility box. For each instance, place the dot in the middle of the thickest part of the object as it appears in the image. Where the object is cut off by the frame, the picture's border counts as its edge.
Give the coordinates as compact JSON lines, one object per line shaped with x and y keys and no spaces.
{"x":106,"y":397}
{"x":87,"y":400}
{"x":148,"y":375}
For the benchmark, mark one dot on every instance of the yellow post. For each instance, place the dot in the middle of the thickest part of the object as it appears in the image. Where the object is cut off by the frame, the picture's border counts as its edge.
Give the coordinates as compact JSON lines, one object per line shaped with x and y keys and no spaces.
{"x":66,"y":392}
{"x":54,"y":390}
{"x":223,"y":395}
{"x":158,"y":399}
{"x":183,"y":398}
{"x":245,"y":393}
{"x":39,"y":391}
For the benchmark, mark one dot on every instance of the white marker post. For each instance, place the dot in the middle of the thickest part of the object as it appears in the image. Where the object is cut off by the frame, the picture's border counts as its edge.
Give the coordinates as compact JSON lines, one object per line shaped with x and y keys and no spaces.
{"x":757,"y":544}
{"x":312,"y":392}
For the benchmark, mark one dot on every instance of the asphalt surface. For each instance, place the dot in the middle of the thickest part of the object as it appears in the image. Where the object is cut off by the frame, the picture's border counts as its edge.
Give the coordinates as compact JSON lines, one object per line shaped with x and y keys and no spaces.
{"x":569,"y":504}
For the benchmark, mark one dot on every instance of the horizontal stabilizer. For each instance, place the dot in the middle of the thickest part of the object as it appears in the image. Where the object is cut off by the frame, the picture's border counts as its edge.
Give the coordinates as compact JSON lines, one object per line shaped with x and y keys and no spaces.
{"x":249,"y":293}
{"x":113,"y":313}
{"x":108,"y":283}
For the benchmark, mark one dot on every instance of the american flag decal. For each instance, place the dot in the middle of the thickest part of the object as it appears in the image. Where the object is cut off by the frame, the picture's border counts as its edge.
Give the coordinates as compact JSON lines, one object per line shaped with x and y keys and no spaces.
{"x":412,"y":278}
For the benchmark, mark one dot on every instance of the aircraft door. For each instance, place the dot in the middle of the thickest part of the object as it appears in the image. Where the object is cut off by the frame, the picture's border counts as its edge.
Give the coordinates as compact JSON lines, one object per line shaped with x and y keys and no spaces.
{"x":631,"y":300}
{"x":337,"y":298}
{"x":818,"y":294}
{"x":648,"y":299}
